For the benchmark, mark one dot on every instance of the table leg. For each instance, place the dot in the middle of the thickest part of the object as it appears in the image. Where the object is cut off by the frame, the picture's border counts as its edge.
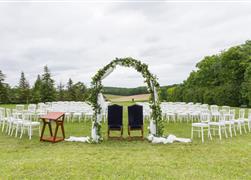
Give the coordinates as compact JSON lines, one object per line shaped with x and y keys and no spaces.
{"x":56,"y":131}
{"x":42,"y":133}
{"x":62,"y":128}
{"x":49,"y":123}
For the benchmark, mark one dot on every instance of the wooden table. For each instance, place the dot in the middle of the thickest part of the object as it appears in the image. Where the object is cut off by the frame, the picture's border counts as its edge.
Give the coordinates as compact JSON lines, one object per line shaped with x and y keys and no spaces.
{"x":58,"y":118}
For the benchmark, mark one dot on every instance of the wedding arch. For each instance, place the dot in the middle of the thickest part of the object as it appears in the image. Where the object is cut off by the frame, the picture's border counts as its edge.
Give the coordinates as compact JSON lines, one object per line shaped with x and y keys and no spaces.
{"x":96,"y":97}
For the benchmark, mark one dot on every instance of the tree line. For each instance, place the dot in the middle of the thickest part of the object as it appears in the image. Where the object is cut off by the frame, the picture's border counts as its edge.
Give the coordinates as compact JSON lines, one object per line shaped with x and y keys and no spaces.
{"x":43,"y":90}
{"x":222,"y":79}
{"x":125,"y":91}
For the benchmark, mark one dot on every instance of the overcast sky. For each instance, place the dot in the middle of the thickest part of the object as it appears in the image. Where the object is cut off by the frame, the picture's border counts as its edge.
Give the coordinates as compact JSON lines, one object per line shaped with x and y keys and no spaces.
{"x":77,"y":39}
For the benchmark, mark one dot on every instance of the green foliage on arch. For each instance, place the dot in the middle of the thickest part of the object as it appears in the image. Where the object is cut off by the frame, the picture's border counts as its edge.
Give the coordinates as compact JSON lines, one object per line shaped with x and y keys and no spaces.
{"x":150,"y":80}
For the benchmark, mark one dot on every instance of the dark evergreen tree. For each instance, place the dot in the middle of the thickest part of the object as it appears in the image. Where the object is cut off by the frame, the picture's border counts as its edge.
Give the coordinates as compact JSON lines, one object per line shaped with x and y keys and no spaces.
{"x":23,"y":89}
{"x":4,"y":96}
{"x":48,"y":91}
{"x":80,"y":92}
{"x":36,"y":91}
{"x":61,"y":92}
{"x":70,"y":95}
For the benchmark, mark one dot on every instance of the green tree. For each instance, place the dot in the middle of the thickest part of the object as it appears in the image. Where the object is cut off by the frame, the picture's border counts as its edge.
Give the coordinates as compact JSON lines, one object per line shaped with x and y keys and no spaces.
{"x":70,"y":95}
{"x":14,"y":95}
{"x":36,"y":91}
{"x":61,"y":92}
{"x":4,"y":97}
{"x":222,"y":79}
{"x":23,"y":89}
{"x":246,"y":87}
{"x":163,"y":93}
{"x":80,"y":92}
{"x":48,"y":91}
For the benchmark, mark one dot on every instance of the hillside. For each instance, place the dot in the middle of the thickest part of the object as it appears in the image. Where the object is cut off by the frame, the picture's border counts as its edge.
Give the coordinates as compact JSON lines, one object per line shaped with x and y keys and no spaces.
{"x":116,"y":98}
{"x":125,"y":91}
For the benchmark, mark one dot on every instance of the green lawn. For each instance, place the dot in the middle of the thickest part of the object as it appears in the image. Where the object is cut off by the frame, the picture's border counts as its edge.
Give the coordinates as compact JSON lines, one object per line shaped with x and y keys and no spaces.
{"x":114,"y":159}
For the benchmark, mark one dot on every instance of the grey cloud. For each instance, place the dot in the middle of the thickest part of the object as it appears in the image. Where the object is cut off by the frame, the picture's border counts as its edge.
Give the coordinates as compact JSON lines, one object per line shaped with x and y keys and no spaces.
{"x":75,"y":40}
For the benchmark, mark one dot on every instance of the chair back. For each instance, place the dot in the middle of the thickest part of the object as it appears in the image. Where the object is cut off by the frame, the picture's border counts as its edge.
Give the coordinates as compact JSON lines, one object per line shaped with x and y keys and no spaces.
{"x":214,"y":108}
{"x":1,"y":116}
{"x":20,"y":107}
{"x":135,"y":116}
{"x":8,"y":113}
{"x":232,"y":114}
{"x":205,"y":117}
{"x":26,"y":117}
{"x":115,"y":116}
{"x":226,"y":109}
{"x":32,"y":107}
{"x":241,"y":113}
{"x":2,"y":111}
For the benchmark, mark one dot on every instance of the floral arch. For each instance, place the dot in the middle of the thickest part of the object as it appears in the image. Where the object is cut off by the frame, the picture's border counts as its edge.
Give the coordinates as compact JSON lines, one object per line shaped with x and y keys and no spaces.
{"x":156,"y":124}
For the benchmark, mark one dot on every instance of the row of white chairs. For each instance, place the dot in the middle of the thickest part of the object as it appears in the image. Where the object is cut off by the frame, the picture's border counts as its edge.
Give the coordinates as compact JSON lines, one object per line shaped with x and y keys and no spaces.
{"x":225,"y":122}
{"x":73,"y":110}
{"x":146,"y":110}
{"x":178,"y":112}
{"x":12,"y":122}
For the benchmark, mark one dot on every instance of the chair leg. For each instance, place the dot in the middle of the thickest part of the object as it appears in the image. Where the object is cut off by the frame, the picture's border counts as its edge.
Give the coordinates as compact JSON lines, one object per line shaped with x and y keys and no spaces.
{"x":234,"y":129}
{"x":12,"y":130}
{"x":220,"y":132}
{"x":245,"y":128}
{"x":30,"y":132}
{"x":9,"y":129}
{"x":192,"y":133}
{"x":209,"y":133}
{"x":225,"y":129}
{"x":17,"y":128}
{"x":239,"y":126}
{"x":202,"y":134}
{"x":230,"y":130}
{"x":22,"y":131}
{"x":4,"y":125}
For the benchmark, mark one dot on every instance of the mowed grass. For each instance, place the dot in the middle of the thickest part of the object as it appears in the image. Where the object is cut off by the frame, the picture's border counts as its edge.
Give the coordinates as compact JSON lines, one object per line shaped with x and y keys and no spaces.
{"x":115,"y":159}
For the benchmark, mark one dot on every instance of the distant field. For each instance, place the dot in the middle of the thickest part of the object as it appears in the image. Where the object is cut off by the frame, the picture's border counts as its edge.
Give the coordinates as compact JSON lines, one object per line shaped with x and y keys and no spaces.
{"x":116,"y":98}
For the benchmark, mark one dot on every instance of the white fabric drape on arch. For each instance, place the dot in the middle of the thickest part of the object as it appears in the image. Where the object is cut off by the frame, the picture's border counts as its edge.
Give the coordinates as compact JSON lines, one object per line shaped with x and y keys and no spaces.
{"x":101,"y":103}
{"x":152,"y":126}
{"x":108,"y":72}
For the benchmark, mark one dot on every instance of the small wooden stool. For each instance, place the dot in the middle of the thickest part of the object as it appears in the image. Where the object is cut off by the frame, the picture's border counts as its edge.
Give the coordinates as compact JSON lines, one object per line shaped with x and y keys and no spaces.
{"x":58,"y":118}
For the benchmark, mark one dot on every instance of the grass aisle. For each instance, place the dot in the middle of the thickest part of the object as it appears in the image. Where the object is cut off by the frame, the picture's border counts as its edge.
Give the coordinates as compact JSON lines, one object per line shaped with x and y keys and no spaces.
{"x":226,"y":159}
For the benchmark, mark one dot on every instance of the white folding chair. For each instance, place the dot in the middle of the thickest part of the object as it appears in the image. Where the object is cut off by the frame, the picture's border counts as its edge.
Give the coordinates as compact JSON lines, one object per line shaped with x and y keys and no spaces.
{"x":230,"y":123}
{"x":219,"y":126}
{"x":16,"y":123}
{"x":248,"y":120}
{"x":241,"y":121}
{"x":29,"y":125}
{"x":202,"y":126}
